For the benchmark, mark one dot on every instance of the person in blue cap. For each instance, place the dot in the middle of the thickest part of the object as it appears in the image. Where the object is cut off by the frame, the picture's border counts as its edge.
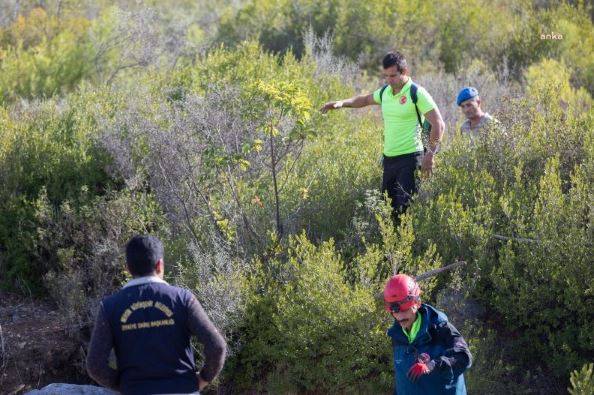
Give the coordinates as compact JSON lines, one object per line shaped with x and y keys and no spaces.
{"x":476,"y":119}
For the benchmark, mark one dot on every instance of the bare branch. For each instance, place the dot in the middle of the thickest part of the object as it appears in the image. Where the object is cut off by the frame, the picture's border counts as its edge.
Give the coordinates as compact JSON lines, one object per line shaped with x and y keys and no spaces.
{"x":435,"y":272}
{"x":520,"y":239}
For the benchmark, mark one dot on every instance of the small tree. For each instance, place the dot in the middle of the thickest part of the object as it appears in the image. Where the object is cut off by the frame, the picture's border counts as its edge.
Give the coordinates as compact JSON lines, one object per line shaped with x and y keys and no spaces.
{"x":284,"y":120}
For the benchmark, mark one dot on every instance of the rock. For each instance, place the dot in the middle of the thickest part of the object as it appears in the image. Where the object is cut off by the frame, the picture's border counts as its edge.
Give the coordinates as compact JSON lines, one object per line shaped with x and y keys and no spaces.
{"x":71,"y":389}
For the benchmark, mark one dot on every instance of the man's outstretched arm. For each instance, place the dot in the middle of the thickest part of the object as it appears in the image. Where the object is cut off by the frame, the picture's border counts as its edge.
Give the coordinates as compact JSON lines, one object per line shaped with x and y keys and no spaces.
{"x":354,"y":102}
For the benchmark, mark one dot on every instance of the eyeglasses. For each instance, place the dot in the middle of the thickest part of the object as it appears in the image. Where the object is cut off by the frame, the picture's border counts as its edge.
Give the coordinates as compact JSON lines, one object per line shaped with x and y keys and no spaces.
{"x":396,"y":307}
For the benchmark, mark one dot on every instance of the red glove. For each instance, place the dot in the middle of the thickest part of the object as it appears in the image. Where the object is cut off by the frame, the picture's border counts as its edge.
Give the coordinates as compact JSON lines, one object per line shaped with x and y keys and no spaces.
{"x":424,"y":365}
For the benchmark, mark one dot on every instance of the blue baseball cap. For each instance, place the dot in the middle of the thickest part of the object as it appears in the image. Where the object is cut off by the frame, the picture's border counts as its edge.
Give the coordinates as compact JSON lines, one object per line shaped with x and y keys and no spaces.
{"x":466,"y":93}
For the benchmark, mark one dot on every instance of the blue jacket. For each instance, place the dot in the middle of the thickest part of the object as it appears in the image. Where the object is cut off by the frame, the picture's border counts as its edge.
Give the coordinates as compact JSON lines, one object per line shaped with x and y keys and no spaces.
{"x":444,"y":344}
{"x":152,"y":341}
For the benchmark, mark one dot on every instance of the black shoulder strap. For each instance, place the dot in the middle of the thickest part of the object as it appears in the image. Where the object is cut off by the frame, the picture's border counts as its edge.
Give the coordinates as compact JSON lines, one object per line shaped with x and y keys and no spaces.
{"x":382,"y":92}
{"x":413,"y":95}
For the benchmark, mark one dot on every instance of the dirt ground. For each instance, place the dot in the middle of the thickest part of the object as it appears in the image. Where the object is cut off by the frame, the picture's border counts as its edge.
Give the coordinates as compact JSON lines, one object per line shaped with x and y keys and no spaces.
{"x":37,"y":346}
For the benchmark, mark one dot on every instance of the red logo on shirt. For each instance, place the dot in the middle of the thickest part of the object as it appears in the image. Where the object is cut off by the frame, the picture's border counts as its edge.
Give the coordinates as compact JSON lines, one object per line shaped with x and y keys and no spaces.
{"x":403,"y":100}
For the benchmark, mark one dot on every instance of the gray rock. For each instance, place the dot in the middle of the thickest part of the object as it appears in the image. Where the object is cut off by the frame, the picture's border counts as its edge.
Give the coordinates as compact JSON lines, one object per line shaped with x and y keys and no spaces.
{"x":71,"y":389}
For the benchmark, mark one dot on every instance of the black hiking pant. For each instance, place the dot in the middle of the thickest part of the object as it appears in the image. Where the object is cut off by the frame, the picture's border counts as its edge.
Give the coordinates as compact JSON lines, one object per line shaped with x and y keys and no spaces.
{"x":400,"y":180}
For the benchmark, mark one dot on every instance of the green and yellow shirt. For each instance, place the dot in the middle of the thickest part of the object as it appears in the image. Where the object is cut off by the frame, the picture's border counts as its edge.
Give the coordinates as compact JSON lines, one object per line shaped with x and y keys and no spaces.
{"x":402,"y":132}
{"x":414,"y":330}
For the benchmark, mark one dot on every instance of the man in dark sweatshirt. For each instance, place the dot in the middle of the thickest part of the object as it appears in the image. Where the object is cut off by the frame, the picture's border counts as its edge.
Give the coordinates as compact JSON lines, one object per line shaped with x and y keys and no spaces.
{"x":149,"y":323}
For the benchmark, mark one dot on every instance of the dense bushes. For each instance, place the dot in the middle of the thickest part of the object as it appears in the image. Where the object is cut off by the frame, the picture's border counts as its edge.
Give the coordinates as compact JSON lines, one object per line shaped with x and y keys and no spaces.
{"x":80,"y":246}
{"x":432,"y":35}
{"x":311,"y":317}
{"x":306,"y":306}
{"x":46,"y":146}
{"x":270,"y":211}
{"x":41,"y":55}
{"x":517,"y":204}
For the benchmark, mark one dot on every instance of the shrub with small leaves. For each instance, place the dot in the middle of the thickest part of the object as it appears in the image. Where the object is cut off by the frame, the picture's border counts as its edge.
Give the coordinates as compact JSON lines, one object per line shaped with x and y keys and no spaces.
{"x":582,"y":381}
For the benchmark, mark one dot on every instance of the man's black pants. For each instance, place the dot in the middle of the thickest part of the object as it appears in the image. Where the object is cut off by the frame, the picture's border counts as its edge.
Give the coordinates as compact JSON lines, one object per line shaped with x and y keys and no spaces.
{"x":400,"y":180}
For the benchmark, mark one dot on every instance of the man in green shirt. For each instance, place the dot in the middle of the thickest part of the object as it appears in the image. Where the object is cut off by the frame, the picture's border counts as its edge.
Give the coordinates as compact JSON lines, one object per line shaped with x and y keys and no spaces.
{"x":403,"y":146}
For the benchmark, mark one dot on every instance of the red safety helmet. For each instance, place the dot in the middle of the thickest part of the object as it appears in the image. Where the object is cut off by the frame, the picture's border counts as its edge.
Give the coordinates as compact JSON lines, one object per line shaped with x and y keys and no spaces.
{"x":401,"y":293}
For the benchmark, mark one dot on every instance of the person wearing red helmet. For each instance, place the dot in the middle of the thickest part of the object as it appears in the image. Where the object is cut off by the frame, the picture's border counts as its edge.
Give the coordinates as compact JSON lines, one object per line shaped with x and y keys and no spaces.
{"x":430,"y":355}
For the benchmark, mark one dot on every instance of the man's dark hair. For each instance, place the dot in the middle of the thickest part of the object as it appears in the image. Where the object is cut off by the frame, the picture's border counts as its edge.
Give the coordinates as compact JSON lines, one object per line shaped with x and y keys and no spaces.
{"x":395,"y":59}
{"x":142,"y":253}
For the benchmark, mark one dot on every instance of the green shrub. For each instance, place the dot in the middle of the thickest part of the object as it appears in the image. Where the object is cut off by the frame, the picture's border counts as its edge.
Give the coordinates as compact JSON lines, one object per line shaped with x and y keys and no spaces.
{"x":558,"y":258}
{"x":582,"y":381}
{"x":80,"y":247}
{"x":307,"y":307}
{"x":515,"y":206}
{"x":312,"y":317}
{"x":444,"y":34}
{"x":41,"y":56}
{"x":49,"y":146}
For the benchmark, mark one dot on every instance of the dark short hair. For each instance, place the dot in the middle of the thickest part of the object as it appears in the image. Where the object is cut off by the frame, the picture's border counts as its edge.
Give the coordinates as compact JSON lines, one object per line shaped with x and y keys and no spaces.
{"x":142,"y":253}
{"x":395,"y":59}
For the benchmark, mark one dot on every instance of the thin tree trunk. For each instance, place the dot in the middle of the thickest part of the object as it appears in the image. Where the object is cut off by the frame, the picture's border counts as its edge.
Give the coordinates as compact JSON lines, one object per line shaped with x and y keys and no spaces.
{"x":279,"y":226}
{"x":16,"y":11}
